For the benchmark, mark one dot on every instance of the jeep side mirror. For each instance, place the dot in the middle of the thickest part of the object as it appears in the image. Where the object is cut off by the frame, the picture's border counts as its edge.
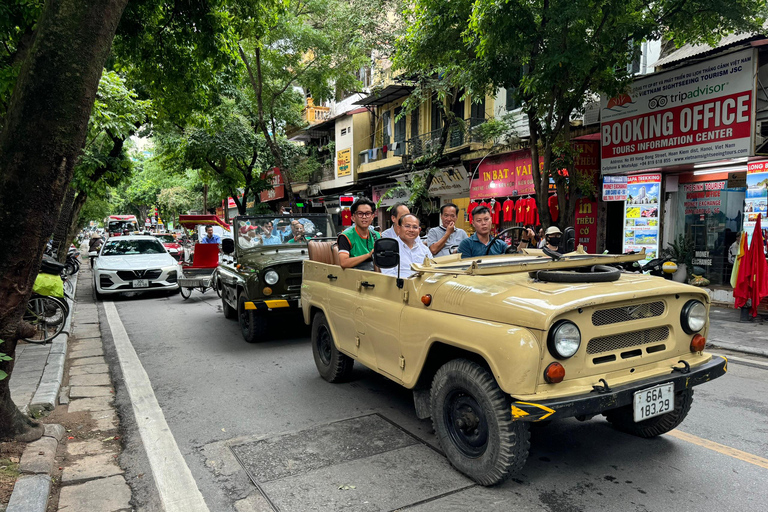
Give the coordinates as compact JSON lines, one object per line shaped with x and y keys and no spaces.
{"x":228,"y":245}
{"x":386,"y":253}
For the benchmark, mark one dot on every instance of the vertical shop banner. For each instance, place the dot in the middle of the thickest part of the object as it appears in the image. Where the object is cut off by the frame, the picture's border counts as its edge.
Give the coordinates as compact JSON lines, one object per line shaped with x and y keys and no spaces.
{"x":756,"y":201}
{"x":344,"y":162}
{"x":586,"y":224}
{"x":641,"y":214}
{"x":694,"y":114}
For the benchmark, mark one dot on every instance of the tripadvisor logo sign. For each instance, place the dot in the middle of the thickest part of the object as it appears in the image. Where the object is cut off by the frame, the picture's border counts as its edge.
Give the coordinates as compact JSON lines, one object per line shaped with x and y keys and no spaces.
{"x":701,"y":91}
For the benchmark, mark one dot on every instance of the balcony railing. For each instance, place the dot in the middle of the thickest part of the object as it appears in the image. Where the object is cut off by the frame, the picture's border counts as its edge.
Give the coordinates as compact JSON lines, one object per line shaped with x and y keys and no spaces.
{"x":460,"y":133}
{"x":314,"y":114}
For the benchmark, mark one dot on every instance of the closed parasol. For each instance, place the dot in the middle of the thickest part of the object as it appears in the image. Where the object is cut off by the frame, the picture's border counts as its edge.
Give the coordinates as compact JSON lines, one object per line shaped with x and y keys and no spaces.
{"x":752,"y":280}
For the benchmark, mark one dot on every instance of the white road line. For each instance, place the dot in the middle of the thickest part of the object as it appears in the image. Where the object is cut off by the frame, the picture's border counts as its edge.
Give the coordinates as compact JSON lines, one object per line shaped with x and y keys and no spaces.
{"x":175,"y":484}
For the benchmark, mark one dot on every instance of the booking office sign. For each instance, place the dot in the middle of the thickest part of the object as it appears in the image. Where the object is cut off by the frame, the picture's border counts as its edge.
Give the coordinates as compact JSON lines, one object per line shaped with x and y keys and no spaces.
{"x":689,"y":115}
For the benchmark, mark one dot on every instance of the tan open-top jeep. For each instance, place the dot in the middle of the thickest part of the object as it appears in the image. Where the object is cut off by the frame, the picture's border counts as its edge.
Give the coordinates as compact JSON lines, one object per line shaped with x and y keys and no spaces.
{"x":492,"y":344}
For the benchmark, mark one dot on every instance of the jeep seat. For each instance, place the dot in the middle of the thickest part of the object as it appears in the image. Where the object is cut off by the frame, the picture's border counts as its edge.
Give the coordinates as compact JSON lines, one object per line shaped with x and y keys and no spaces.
{"x":323,"y":252}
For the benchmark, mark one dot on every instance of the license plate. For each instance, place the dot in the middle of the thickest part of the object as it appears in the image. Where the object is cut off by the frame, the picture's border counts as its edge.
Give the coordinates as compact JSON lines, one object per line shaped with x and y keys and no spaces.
{"x":654,"y":401}
{"x":140,"y":283}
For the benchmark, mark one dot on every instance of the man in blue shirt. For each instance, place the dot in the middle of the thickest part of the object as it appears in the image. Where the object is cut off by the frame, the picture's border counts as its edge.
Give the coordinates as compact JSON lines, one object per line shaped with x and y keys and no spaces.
{"x":209,"y":237}
{"x":477,"y":244}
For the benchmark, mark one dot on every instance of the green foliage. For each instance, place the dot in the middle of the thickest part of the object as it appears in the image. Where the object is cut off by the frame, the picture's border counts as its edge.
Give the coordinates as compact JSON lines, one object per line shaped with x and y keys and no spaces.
{"x":4,"y":357}
{"x":681,"y":250}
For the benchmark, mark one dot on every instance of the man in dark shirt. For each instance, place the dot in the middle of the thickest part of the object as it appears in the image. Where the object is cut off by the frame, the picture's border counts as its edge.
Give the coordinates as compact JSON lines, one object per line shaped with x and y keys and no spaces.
{"x":477,"y":244}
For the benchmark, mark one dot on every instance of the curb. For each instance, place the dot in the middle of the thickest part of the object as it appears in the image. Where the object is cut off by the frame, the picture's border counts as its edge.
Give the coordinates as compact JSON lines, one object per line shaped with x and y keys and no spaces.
{"x":48,"y":390}
{"x":31,"y":491}
{"x":738,"y":348}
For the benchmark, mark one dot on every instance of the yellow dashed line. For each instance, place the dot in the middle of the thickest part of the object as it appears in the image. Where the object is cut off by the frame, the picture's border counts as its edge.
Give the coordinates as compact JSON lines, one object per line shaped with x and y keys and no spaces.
{"x":720,"y":448}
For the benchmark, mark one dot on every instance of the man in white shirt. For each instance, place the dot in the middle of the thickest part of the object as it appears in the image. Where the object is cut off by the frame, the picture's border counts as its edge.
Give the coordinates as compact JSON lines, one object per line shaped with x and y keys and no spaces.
{"x":397,"y":211}
{"x":444,"y":239}
{"x":411,"y":248}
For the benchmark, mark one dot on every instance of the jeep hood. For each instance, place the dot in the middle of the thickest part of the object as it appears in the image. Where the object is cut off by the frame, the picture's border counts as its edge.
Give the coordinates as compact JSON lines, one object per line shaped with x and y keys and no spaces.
{"x":517,"y":299}
{"x":274,"y":255}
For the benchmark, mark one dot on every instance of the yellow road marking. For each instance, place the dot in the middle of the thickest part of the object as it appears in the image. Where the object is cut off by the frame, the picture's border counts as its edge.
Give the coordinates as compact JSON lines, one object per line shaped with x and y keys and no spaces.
{"x":720,"y":448}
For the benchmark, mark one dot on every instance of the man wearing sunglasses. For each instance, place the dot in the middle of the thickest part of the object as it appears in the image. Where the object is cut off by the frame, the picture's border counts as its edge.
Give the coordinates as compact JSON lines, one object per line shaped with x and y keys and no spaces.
{"x":356,"y":243}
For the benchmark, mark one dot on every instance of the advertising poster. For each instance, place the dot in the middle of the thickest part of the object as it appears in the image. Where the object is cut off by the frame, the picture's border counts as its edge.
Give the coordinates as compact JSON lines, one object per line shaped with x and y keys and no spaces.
{"x":614,"y":188}
{"x":278,"y":186}
{"x":344,"y":159}
{"x":703,"y":198}
{"x":694,"y":114}
{"x":641,"y":214}
{"x":756,"y":200}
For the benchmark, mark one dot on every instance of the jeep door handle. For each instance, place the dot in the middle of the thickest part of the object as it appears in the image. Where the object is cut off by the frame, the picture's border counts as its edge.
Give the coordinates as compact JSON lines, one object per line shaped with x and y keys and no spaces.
{"x":366,"y":284}
{"x":331,"y":277}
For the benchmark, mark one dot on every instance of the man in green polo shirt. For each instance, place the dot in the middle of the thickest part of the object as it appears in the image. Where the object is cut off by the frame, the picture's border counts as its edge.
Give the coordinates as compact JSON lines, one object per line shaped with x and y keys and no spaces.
{"x":356,"y":243}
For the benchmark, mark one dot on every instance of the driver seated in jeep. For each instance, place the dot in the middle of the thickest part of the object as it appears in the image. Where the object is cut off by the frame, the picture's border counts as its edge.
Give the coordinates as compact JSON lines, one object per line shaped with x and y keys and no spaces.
{"x":477,"y":244}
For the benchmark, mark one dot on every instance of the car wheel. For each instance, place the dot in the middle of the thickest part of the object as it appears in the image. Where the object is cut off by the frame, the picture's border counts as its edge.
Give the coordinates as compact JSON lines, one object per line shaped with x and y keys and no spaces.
{"x":252,"y":325}
{"x":622,"y":418}
{"x":332,"y":365}
{"x":472,"y":418}
{"x":229,"y":312}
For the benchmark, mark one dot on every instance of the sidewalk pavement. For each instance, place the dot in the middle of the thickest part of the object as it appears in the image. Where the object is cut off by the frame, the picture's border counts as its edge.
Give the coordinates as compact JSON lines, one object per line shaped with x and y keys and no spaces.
{"x":81,"y":456}
{"x":727,"y":331}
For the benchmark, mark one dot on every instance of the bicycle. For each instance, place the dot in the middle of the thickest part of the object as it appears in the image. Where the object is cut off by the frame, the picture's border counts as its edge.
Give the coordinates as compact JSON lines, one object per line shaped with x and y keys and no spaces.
{"x":48,"y":315}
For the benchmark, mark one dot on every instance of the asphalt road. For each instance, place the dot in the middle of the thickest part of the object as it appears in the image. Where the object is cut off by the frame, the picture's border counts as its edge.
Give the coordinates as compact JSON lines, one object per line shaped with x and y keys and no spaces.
{"x":246,"y":415}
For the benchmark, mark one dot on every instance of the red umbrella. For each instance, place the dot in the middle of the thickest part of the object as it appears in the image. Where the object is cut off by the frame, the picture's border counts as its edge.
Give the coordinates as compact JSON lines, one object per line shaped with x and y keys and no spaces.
{"x":752,"y":282}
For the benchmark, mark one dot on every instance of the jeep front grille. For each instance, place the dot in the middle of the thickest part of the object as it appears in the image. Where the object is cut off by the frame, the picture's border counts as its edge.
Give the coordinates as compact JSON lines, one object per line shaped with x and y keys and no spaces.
{"x":627,"y":313}
{"x":130,"y":275}
{"x":627,"y":339}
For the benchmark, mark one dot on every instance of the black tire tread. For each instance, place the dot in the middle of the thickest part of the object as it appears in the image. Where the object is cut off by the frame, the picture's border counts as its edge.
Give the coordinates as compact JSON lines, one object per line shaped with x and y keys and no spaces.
{"x":257,"y":325}
{"x":621,"y":418}
{"x":514,"y":435}
{"x":229,"y":312}
{"x":340,"y":368}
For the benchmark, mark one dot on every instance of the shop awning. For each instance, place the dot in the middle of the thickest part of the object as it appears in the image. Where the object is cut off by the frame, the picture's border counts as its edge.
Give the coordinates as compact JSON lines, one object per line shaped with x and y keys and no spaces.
{"x":387,"y":95}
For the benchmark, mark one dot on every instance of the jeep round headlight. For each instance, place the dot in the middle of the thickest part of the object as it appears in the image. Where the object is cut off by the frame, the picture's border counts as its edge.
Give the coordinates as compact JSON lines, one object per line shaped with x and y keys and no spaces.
{"x":693,"y":317}
{"x":271,"y":277}
{"x":564,"y":340}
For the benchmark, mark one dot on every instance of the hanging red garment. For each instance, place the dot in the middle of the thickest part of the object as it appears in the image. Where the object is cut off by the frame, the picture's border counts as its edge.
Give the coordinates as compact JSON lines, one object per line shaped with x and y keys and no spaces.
{"x":554,"y":208}
{"x":495,"y":210}
{"x":346,"y":217}
{"x":753,"y":273}
{"x":472,"y":206}
{"x":509,"y":210}
{"x":520,"y":210}
{"x":532,"y":214}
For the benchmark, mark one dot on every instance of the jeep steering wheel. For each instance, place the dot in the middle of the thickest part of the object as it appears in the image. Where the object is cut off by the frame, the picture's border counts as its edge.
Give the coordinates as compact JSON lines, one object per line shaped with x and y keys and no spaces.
{"x":490,"y":244}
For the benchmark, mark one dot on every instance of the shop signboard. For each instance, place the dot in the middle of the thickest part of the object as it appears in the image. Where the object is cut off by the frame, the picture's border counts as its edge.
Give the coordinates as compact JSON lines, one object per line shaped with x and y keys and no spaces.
{"x":703,"y":198}
{"x":344,"y":162}
{"x":499,"y":177}
{"x":278,"y":186}
{"x":450,"y":182}
{"x":614,"y":188}
{"x":398,"y":194}
{"x":756,"y":201}
{"x":641,"y":214}
{"x":694,"y":114}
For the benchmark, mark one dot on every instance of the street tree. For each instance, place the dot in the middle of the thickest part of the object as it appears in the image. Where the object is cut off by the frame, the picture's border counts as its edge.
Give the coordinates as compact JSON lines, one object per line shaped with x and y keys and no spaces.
{"x":556,"y":55}
{"x":43,"y":131}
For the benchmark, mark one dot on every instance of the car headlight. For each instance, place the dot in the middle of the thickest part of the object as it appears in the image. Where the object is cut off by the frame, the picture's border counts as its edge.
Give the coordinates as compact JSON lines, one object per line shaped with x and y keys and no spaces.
{"x":564,"y":340}
{"x":693,"y":317}
{"x":271,"y":277}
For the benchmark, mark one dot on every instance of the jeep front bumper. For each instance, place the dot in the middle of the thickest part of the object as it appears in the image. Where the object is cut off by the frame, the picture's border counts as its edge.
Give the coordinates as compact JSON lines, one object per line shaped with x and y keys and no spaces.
{"x":270,"y":304}
{"x":597,"y":402}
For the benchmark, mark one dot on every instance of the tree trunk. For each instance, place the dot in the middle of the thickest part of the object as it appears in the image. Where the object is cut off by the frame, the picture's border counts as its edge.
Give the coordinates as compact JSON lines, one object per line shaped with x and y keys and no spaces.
{"x":540,"y":178}
{"x":43,"y":133}
{"x":60,"y":238}
{"x":77,"y":207}
{"x":205,"y":198}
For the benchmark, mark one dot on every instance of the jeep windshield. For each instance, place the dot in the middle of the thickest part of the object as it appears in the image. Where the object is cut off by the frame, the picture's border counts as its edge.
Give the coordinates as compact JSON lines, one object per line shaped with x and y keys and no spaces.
{"x":256,"y":232}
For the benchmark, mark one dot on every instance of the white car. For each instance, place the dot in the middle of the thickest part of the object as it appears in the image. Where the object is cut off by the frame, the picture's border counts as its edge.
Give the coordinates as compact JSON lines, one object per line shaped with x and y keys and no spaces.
{"x":134,"y":263}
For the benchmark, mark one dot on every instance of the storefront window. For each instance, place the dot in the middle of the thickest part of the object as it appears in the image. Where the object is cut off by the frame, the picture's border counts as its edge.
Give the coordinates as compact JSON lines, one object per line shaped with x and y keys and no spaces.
{"x":711,"y":215}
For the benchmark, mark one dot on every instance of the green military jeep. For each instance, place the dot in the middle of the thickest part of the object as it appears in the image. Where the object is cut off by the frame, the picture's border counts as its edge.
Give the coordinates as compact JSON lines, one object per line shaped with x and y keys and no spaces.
{"x":261,"y":275}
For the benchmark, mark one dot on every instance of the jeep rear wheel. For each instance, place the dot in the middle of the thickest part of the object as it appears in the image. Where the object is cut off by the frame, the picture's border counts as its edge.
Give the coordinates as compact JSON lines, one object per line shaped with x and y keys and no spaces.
{"x":332,"y":365}
{"x":252,"y":325}
{"x":622,"y":418}
{"x":473,"y":422}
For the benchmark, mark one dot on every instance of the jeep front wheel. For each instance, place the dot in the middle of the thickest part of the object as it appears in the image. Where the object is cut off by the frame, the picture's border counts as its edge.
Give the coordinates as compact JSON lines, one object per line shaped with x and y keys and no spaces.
{"x":332,"y":365}
{"x":473,"y":422}
{"x":623,"y":418}
{"x":252,"y":325}
{"x":229,"y":311}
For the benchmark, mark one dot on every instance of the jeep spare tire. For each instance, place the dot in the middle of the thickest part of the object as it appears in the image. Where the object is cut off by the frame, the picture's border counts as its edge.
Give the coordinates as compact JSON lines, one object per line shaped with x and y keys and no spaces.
{"x":597,"y":274}
{"x":472,"y":418}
